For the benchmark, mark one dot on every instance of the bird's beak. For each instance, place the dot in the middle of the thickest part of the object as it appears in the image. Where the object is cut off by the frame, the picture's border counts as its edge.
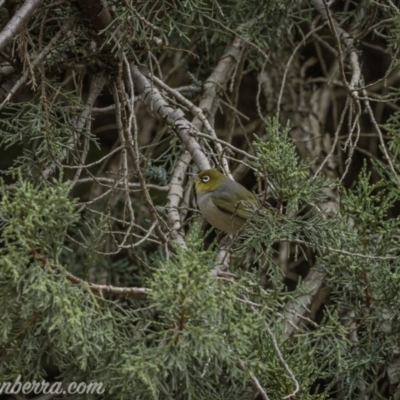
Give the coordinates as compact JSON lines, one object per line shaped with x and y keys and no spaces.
{"x":195,"y":176}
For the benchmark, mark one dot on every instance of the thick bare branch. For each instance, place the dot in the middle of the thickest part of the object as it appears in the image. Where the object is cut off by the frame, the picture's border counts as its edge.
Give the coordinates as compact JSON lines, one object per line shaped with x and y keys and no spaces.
{"x":312,"y":284}
{"x":18,"y":21}
{"x":156,"y":104}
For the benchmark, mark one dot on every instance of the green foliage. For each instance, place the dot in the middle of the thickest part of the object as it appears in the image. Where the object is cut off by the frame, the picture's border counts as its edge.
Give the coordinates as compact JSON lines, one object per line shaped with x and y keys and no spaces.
{"x":158,"y":173}
{"x":37,"y":305}
{"x":287,"y":176}
{"x":35,"y":219}
{"x":43,"y":129}
{"x":296,"y":219}
{"x":194,"y":335}
{"x":394,"y":34}
{"x":356,"y":251}
{"x":207,"y":23}
{"x":365,"y":289}
{"x":195,"y":340}
{"x":204,"y":338}
{"x":392,"y":127}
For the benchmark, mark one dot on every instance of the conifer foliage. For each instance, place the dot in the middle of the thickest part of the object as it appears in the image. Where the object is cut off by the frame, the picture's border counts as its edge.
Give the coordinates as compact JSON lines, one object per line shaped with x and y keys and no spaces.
{"x":108,"y":272}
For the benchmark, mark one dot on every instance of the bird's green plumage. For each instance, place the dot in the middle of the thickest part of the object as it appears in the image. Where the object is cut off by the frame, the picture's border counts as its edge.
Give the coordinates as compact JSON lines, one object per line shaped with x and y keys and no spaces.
{"x":216,"y":178}
{"x":224,"y":203}
{"x":236,"y":206}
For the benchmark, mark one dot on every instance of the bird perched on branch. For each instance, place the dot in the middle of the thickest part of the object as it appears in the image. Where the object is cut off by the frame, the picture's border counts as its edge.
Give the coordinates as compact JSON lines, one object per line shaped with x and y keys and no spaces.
{"x":224,"y":203}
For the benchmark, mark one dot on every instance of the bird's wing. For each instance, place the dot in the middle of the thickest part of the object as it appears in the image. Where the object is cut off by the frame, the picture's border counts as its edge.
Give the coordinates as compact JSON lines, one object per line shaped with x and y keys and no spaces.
{"x":240,"y":208}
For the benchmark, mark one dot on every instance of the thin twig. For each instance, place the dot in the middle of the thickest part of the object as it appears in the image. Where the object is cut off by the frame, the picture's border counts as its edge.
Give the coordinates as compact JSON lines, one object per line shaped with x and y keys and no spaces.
{"x":38,"y":58}
{"x":296,"y":49}
{"x":117,"y":291}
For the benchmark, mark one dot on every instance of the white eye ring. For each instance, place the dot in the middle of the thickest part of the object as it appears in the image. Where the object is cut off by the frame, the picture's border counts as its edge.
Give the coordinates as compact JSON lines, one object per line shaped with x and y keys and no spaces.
{"x":205,"y":178}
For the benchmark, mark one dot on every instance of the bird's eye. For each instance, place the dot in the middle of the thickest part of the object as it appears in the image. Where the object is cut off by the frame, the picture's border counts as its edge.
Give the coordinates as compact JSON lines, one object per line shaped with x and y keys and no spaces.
{"x":205,"y":178}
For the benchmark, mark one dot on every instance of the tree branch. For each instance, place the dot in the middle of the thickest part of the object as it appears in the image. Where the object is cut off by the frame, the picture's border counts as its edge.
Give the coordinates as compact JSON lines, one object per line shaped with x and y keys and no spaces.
{"x":18,"y":21}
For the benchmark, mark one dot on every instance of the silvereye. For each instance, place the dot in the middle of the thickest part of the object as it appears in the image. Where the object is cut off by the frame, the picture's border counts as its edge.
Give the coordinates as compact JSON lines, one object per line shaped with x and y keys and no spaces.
{"x":224,"y":203}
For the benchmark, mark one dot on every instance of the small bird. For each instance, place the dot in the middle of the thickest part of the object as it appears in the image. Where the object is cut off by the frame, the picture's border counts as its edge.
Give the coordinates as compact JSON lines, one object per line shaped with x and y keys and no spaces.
{"x":224,"y":203}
